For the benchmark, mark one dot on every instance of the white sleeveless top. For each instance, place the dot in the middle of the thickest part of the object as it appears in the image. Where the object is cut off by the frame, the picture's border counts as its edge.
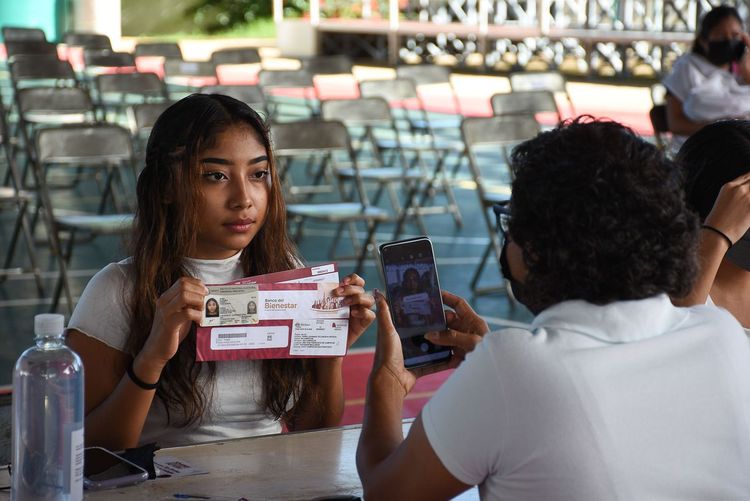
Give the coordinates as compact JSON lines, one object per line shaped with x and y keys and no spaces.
{"x":235,"y":410}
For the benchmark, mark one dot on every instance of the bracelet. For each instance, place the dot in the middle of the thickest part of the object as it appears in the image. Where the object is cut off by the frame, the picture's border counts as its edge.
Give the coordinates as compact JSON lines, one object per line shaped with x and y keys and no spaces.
{"x":138,"y":381}
{"x":720,"y":233}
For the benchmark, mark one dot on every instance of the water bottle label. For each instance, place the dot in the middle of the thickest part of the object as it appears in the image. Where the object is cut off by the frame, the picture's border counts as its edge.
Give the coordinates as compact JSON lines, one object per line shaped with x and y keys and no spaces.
{"x":76,"y":465}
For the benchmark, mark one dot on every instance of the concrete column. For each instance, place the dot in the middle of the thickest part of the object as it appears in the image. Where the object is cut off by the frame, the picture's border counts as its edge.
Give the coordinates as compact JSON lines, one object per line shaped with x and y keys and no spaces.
{"x":98,"y":16}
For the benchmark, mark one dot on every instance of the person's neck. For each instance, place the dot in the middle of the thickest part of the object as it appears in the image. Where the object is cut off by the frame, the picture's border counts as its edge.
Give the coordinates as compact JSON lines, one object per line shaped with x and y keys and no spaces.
{"x":731,"y":290}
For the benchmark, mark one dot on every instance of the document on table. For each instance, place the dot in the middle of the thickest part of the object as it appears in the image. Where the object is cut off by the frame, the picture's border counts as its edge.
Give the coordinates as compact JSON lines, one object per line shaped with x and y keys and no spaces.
{"x":280,"y":315}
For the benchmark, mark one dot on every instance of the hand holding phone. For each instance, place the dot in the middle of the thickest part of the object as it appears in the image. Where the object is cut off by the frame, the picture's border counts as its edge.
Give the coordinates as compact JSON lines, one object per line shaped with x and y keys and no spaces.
{"x":103,"y":469}
{"x":413,"y":293}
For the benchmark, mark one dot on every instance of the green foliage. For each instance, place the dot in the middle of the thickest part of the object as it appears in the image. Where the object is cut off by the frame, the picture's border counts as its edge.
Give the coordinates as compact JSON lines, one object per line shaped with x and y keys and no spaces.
{"x":214,"y":16}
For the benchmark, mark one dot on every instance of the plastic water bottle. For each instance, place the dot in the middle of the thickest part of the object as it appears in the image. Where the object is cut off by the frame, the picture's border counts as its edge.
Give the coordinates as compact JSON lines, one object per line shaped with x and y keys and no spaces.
{"x":47,"y":461}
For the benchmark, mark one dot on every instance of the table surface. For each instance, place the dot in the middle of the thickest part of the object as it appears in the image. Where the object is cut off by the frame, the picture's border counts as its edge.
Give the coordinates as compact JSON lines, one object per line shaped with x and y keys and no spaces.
{"x":304,"y":465}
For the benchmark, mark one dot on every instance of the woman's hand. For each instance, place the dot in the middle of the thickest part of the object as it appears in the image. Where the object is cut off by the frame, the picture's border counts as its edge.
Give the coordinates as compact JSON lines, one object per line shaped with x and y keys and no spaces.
{"x":176,"y":310}
{"x":359,"y":303}
{"x":731,"y":211}
{"x":465,"y":329}
{"x":389,"y":358}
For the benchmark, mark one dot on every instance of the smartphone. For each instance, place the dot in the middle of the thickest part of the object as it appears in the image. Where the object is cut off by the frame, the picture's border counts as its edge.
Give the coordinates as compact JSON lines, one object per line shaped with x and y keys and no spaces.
{"x":103,"y":469}
{"x":413,"y":292}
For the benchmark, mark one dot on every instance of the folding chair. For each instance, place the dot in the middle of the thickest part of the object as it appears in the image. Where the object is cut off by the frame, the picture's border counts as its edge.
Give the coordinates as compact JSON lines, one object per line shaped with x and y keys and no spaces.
{"x":76,"y":42}
{"x":401,"y":94}
{"x":96,"y":41}
{"x":432,"y":75}
{"x":188,"y":76}
{"x":288,"y":87}
{"x":98,"y":61}
{"x":13,"y":198}
{"x":251,"y":95}
{"x":150,"y":57}
{"x":29,"y":48}
{"x":104,"y":147}
{"x":43,"y":106}
{"x":326,"y":138}
{"x":237,"y":66}
{"x":117,"y":91}
{"x":552,"y":81}
{"x":18,"y":34}
{"x":499,"y":133}
{"x":374,"y":115}
{"x":528,"y":102}
{"x":142,"y":118}
{"x":41,"y":71}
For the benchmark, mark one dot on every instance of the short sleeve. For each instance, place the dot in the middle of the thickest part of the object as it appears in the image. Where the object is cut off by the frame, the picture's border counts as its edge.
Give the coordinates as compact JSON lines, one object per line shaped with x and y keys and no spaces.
{"x":101,"y":312}
{"x":464,"y":420}
{"x":683,"y":77}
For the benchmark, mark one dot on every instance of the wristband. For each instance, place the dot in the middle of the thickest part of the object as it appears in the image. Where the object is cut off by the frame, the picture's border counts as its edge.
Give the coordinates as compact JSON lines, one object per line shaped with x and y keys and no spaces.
{"x":138,"y":381}
{"x":720,"y":233}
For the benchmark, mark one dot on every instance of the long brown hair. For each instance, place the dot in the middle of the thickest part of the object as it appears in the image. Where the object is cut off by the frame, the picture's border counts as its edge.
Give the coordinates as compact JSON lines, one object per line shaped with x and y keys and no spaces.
{"x":169,"y":200}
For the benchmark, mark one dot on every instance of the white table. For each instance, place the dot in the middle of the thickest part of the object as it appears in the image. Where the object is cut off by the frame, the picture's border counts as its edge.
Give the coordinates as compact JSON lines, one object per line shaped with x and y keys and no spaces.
{"x":303,"y":465}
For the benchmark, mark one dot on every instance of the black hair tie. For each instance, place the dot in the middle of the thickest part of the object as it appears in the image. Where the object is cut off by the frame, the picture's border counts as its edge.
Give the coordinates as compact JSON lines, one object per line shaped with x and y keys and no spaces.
{"x":138,"y":381}
{"x":720,"y":233}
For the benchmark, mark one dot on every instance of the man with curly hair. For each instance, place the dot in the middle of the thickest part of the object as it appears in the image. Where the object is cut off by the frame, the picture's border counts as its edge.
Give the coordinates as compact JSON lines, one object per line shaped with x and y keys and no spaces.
{"x":613,"y":392}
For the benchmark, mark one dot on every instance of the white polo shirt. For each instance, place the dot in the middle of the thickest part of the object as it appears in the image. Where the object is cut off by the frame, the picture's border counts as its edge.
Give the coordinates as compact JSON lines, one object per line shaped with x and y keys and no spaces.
{"x":632,"y":400}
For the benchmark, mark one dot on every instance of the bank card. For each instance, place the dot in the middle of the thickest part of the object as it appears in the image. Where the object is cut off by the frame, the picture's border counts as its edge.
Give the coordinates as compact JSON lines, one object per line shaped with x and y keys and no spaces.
{"x":297,"y":315}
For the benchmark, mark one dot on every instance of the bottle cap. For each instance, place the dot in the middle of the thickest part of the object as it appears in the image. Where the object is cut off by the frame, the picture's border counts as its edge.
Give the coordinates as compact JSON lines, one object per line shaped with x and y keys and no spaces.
{"x":49,"y":325}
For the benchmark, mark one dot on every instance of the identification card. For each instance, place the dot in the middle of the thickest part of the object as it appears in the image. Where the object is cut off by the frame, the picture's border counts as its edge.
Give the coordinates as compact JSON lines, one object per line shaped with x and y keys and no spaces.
{"x":230,"y":305}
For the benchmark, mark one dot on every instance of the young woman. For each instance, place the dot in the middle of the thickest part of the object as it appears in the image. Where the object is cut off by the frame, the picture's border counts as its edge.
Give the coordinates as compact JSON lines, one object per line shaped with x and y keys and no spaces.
{"x":716,"y":161}
{"x":613,"y":392}
{"x":210,"y":210}
{"x":710,"y":82}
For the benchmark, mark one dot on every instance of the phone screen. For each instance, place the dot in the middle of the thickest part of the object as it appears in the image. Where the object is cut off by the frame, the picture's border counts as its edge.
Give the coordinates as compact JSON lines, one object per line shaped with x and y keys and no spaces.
{"x":413,"y":292}
{"x":100,"y":465}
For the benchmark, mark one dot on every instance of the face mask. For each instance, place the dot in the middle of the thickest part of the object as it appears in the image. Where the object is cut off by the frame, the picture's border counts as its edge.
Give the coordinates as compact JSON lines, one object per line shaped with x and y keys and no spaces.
{"x":725,"y":51}
{"x":519,"y":290}
{"x":739,"y":254}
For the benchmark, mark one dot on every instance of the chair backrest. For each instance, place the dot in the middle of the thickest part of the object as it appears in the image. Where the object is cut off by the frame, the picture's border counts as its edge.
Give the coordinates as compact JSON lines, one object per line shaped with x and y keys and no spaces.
{"x":169,"y":50}
{"x":107,"y":58}
{"x":309,"y":137}
{"x":552,"y":81}
{"x":54,"y":100}
{"x":144,"y":116}
{"x":425,"y":74}
{"x":145,"y":84}
{"x":177,"y":67}
{"x":40,"y":68}
{"x":399,"y":89}
{"x":357,"y":112}
{"x":527,"y":102}
{"x":87,"y":40}
{"x":248,"y":94}
{"x":285,"y":78}
{"x":328,"y":65}
{"x":84,"y":143}
{"x":18,"y":34}
{"x":243,"y":55}
{"x":501,"y":130}
{"x":30,"y":48}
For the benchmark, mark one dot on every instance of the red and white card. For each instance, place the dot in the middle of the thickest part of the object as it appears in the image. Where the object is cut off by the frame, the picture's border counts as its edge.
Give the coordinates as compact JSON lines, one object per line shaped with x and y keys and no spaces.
{"x":292,"y":314}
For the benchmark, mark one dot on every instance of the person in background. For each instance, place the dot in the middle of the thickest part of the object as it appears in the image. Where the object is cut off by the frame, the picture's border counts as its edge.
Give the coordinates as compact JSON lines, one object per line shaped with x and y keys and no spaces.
{"x":711,"y":81}
{"x":716,"y":161}
{"x":613,"y":392}
{"x":210,"y":210}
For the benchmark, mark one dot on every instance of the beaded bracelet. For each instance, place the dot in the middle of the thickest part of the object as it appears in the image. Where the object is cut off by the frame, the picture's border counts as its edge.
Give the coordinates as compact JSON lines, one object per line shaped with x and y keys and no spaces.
{"x":138,"y":381}
{"x":720,"y":233}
